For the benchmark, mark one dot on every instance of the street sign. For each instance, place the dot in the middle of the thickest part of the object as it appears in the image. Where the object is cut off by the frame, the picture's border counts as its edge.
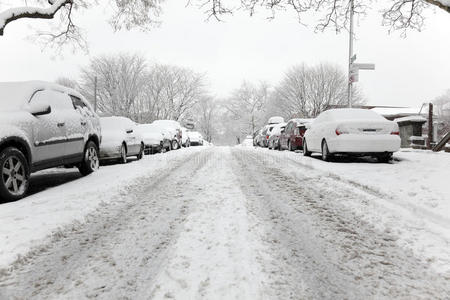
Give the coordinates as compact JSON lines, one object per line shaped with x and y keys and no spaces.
{"x":364,"y":66}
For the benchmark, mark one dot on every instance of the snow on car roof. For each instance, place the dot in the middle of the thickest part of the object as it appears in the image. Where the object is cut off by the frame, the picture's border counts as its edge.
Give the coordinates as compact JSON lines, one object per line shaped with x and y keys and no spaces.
{"x":13,"y":95}
{"x":275,"y":120}
{"x":167,"y":122}
{"x":302,"y":121}
{"x":353,"y":114}
{"x":398,"y":111}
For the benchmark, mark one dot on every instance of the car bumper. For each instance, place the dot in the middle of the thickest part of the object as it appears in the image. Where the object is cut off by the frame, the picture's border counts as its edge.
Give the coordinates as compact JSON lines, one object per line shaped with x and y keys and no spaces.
{"x":356,"y":143}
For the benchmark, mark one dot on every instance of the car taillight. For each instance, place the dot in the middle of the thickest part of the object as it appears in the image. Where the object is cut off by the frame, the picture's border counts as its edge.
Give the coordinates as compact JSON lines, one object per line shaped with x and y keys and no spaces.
{"x":395,"y":132}
{"x":267,"y":137}
{"x":339,"y":131}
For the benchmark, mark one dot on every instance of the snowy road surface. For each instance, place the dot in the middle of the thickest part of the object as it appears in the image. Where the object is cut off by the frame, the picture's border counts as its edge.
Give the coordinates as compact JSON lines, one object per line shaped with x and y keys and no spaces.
{"x":225,"y":223}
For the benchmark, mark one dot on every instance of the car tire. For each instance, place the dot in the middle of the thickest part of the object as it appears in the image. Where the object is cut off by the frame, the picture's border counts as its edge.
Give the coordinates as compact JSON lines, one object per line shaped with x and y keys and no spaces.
{"x":385,"y":157}
{"x":290,"y":146}
{"x":90,"y":161}
{"x":14,"y":174}
{"x":123,"y":154}
{"x":326,"y":155}
{"x":188,"y":143}
{"x":306,"y":152}
{"x":279,"y":146}
{"x":141,"y":152}
{"x":175,"y":145}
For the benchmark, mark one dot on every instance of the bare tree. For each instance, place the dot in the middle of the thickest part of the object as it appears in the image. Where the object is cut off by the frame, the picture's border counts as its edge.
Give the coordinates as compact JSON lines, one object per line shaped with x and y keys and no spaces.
{"x":171,"y":91}
{"x":246,"y":106}
{"x":206,"y":111}
{"x":67,"y":82}
{"x":307,"y":91}
{"x":127,"y":14}
{"x":398,"y":14}
{"x":120,"y":81}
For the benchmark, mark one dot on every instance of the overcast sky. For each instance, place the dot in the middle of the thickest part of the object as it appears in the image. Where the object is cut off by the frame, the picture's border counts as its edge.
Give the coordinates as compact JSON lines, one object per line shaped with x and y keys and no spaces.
{"x":409,"y":71}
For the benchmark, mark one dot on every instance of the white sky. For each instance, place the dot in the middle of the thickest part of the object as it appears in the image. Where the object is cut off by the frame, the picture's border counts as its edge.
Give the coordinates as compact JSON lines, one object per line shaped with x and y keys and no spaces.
{"x":409,"y":71}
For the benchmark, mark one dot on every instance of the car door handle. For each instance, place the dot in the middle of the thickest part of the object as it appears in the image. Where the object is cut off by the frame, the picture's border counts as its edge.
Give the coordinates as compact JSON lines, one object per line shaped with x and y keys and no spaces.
{"x":61,"y":124}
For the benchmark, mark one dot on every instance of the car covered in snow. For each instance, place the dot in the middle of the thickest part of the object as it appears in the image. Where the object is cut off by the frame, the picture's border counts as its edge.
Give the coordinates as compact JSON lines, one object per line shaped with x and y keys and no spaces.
{"x":156,"y":139}
{"x":44,"y":125}
{"x":348,"y":131}
{"x":175,"y":130}
{"x":248,"y":141}
{"x":120,"y":139}
{"x":274,"y":136}
{"x":291,"y":137}
{"x":195,"y":138}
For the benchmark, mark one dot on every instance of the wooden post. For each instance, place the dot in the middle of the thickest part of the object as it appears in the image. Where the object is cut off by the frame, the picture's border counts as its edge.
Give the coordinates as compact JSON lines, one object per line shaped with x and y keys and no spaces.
{"x":430,"y":125}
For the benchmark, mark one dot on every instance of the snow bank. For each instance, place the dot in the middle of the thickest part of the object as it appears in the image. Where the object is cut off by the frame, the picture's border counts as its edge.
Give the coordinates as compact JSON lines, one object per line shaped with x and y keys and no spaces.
{"x":23,"y":224}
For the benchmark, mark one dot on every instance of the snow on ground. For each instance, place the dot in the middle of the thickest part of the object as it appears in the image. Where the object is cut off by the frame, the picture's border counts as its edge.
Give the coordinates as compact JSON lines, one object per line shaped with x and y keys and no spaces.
{"x":409,"y":196}
{"x":215,"y":255}
{"x":23,"y":224}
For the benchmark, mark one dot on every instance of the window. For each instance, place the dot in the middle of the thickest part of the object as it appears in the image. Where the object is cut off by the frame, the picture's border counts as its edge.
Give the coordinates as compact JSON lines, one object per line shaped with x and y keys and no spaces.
{"x":56,"y":100}
{"x":81,"y":106}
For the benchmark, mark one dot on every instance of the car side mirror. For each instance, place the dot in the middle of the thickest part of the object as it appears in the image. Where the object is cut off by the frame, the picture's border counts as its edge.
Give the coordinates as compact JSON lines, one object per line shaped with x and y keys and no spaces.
{"x":40,"y":109}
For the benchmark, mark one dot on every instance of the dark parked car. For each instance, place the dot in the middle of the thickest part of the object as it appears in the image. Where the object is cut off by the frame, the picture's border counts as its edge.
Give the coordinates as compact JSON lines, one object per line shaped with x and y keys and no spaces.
{"x":291,"y":137}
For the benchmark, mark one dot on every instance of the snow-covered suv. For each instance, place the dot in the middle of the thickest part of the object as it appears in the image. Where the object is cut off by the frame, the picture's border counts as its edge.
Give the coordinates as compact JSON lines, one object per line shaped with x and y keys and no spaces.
{"x":43,"y":125}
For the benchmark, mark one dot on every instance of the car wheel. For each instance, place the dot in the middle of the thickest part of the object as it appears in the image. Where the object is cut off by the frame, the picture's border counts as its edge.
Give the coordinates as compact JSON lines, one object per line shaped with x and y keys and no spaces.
{"x":174,"y":145}
{"x":188,"y":143}
{"x":305,"y":149}
{"x":384,"y":158}
{"x":141,"y":152}
{"x":290,"y":146}
{"x":123,"y":154}
{"x":14,"y":173}
{"x":279,"y":146}
{"x":326,"y":156}
{"x":90,"y":161}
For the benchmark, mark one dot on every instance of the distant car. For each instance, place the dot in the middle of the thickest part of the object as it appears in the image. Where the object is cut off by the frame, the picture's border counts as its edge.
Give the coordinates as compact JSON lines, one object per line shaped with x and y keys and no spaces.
{"x":274,"y":136}
{"x":265,"y":134}
{"x":186,"y":142}
{"x":120,"y":139}
{"x":258,"y":138}
{"x":348,"y":131}
{"x":291,"y":137}
{"x":156,"y":139}
{"x":44,"y":125}
{"x":175,"y":129}
{"x":196,"y":138}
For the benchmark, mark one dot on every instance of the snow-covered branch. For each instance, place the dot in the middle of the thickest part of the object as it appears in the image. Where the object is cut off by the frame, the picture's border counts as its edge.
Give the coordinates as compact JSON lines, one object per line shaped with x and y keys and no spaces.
{"x":16,"y":13}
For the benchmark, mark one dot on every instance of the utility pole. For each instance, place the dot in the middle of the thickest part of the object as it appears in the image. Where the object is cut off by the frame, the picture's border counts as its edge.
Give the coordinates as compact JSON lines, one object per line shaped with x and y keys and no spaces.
{"x":430,"y":139}
{"x":95,"y":94}
{"x":350,"y":55}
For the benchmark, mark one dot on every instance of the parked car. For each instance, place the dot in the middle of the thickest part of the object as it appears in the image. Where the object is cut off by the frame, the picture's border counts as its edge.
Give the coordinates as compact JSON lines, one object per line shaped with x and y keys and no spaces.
{"x":352,"y":132}
{"x":156,"y":139}
{"x":120,"y":139}
{"x":175,"y":131}
{"x":265,"y":134}
{"x":44,"y":125}
{"x":258,"y":139}
{"x":186,"y":142}
{"x":274,"y":136}
{"x":291,"y":137}
{"x":196,"y":138}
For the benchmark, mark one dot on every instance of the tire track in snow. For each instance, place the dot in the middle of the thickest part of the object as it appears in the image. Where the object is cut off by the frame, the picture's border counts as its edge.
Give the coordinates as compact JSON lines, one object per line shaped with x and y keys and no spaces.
{"x":117,"y":251}
{"x":332,"y":252}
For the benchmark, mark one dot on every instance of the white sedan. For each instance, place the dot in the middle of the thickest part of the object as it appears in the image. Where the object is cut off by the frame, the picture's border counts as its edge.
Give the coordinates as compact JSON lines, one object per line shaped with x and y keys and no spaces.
{"x":352,"y":132}
{"x":195,"y":138}
{"x":120,"y":139}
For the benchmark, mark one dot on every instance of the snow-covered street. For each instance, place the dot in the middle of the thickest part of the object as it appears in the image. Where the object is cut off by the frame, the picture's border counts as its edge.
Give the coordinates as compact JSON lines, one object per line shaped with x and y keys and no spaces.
{"x":233,"y":223}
